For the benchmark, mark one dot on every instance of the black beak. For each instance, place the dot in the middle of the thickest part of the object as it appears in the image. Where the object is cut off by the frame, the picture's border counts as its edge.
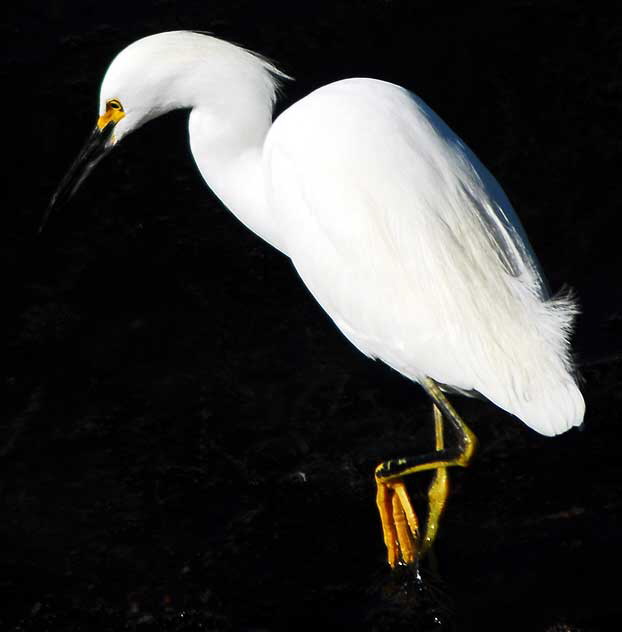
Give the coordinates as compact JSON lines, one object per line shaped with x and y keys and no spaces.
{"x":99,"y":143}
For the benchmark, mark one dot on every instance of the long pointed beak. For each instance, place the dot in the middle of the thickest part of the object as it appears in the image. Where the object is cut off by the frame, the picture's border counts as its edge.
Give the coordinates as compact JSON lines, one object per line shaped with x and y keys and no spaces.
{"x":99,"y":143}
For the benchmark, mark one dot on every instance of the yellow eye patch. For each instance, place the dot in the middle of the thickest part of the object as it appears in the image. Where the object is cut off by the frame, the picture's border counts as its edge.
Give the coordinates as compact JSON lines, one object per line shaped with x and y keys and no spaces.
{"x":113,"y":114}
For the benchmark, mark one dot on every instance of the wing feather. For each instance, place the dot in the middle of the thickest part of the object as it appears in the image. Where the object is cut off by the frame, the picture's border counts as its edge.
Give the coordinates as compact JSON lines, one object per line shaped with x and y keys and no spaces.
{"x":413,"y":249}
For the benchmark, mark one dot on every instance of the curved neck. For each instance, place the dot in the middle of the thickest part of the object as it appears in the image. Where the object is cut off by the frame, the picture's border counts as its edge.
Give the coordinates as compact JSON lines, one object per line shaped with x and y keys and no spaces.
{"x":228,"y":152}
{"x":230,"y":93}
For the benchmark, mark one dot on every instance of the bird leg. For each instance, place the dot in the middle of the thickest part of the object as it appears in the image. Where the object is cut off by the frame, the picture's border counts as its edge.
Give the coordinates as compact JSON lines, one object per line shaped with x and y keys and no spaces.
{"x":400,"y":524}
{"x":439,"y":488}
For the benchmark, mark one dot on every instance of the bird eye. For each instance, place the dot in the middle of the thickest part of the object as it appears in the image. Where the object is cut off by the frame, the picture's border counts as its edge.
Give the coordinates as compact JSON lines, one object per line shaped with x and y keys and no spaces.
{"x":115,"y":105}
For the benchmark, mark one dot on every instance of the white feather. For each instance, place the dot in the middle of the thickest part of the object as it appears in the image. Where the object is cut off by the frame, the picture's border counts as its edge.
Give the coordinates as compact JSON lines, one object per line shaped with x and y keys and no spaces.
{"x":396,"y":228}
{"x":412,"y":248}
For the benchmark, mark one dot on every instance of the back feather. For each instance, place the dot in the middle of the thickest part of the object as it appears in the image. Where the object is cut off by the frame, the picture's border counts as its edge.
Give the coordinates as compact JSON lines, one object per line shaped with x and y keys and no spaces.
{"x":413,"y":249}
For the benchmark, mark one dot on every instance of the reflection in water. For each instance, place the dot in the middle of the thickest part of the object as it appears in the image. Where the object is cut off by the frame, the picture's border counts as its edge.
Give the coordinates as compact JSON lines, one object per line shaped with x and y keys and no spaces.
{"x":416,"y":597}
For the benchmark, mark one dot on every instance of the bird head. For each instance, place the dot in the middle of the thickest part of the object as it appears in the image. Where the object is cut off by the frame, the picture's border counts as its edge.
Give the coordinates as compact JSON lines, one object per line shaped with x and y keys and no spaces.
{"x":167,"y":71}
{"x":145,"y":80}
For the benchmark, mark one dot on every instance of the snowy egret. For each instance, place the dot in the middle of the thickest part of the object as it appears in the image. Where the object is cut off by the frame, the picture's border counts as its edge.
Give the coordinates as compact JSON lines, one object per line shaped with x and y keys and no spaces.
{"x":401,"y":234}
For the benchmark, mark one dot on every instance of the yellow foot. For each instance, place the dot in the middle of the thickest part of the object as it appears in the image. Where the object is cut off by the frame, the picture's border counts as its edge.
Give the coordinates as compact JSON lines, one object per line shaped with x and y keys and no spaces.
{"x":400,"y":525}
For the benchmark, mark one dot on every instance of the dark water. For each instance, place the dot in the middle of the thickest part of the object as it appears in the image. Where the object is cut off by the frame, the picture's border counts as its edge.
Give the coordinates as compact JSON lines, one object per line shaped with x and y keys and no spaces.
{"x":187,"y":443}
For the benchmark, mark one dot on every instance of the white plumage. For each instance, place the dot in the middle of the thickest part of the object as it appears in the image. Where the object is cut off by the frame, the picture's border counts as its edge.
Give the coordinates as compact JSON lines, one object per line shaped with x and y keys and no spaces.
{"x":410,"y":245}
{"x":401,"y":234}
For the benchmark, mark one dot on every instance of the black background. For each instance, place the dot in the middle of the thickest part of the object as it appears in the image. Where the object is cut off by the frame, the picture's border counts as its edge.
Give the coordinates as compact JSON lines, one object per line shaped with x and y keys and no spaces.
{"x":187,"y":442}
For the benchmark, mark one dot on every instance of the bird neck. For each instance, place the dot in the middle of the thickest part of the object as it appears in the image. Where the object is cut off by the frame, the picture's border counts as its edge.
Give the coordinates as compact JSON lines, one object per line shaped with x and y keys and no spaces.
{"x":228,"y":152}
{"x":231,"y":94}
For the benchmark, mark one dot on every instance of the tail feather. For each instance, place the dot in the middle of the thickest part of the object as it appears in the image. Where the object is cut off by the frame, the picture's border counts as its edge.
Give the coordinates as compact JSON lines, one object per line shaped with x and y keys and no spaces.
{"x":551,"y":412}
{"x":534,"y":380}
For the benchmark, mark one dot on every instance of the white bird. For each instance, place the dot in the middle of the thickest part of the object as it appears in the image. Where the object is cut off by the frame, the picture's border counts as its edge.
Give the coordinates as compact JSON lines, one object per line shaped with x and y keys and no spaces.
{"x":397,"y":229}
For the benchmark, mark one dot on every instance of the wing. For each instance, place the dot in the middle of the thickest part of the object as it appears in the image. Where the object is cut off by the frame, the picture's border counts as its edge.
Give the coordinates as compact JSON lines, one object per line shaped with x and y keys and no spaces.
{"x":412,"y":247}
